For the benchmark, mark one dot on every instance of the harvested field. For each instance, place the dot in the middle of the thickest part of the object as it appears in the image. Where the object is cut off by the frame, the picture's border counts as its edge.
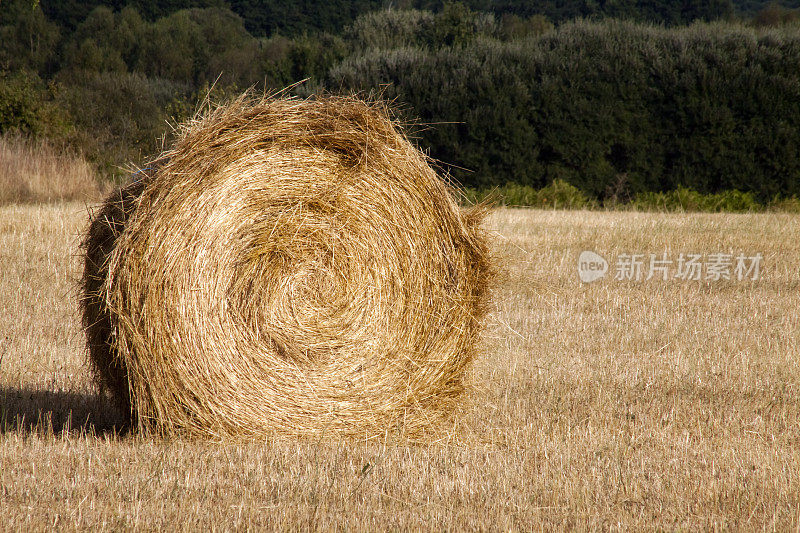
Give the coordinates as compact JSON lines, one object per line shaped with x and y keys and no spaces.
{"x":639,"y":405}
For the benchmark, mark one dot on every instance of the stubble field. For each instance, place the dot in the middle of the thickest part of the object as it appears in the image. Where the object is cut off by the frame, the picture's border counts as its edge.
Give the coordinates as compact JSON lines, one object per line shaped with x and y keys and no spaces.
{"x":627,"y":404}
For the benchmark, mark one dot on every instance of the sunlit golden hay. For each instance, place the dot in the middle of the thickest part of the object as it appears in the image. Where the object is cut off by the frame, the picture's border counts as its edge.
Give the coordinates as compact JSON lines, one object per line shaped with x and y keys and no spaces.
{"x":291,"y":266}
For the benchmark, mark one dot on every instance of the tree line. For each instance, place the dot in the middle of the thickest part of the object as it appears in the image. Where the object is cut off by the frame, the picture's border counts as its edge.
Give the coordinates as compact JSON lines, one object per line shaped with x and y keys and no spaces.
{"x":614,"y":108}
{"x":507,"y":95}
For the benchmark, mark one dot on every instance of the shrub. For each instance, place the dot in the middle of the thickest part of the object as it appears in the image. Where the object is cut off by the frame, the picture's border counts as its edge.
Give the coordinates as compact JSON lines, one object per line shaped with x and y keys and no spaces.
{"x":27,"y":106}
{"x":557,"y":195}
{"x":687,"y":200}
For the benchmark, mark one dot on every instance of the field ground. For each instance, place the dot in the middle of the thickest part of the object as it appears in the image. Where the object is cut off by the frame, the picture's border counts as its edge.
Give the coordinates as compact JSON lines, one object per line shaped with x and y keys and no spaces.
{"x":641,"y":405}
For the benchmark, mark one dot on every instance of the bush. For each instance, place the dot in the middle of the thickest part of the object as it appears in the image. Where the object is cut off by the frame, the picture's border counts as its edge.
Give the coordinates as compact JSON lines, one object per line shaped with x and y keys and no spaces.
{"x":27,"y":106}
{"x":557,"y":195}
{"x":561,"y":195}
{"x":683,"y":199}
{"x":121,"y":117}
{"x":785,"y":205}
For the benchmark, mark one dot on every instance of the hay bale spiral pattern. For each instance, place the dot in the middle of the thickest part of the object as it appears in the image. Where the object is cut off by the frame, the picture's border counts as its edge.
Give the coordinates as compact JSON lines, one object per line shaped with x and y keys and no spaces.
{"x":291,"y":266}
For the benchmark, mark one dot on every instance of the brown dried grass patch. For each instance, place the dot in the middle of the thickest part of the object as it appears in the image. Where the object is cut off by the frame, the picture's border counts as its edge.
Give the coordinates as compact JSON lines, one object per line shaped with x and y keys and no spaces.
{"x":40,"y":171}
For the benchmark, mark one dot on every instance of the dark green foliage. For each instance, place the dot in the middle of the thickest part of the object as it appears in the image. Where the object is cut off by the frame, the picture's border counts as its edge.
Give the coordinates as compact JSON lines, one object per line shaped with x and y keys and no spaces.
{"x":391,"y":29}
{"x":557,"y":195}
{"x":120,"y":117}
{"x":613,"y":108}
{"x":27,"y":106}
{"x":71,"y":13}
{"x":455,"y":25}
{"x":28,"y":38}
{"x":514,"y":27}
{"x":561,"y":195}
{"x":684,"y":199}
{"x":752,"y":7}
{"x":189,"y":46}
{"x":264,"y":18}
{"x":504,"y":98}
{"x":668,"y":12}
{"x":775,"y":14}
{"x":294,"y":17}
{"x":312,"y":57}
{"x":195,"y":47}
{"x":192,"y":46}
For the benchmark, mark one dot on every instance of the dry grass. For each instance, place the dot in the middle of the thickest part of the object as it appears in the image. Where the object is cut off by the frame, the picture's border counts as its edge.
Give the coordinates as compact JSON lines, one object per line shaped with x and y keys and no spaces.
{"x":37,"y":171}
{"x":658,"y":405}
{"x":292,"y":266}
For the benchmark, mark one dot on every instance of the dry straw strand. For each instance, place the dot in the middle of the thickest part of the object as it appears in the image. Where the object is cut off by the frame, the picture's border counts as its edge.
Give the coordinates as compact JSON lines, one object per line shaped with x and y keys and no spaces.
{"x":288,"y":266}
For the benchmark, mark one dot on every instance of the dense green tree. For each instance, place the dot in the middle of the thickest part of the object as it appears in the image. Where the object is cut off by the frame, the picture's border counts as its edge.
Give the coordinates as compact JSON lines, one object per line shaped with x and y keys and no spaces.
{"x":27,"y":106}
{"x":515,"y":27}
{"x":667,"y":12}
{"x":613,"y":108}
{"x":264,"y":18}
{"x":295,"y":17}
{"x":457,"y":24}
{"x":28,"y":39}
{"x":71,"y":13}
{"x":120,"y":117}
{"x":391,"y":28}
{"x":314,"y":56}
{"x":749,"y":8}
{"x":94,"y":45}
{"x":775,"y":14}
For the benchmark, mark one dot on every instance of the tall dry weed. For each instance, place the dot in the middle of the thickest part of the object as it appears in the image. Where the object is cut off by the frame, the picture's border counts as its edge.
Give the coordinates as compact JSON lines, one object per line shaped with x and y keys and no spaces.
{"x":41,"y":171}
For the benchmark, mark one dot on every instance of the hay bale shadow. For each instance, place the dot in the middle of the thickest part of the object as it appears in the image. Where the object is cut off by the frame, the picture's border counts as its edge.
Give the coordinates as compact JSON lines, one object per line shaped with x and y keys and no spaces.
{"x":41,"y":412}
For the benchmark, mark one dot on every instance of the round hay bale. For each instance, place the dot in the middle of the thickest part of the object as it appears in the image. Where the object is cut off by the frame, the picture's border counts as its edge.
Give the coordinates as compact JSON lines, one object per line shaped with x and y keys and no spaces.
{"x":289,"y":266}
